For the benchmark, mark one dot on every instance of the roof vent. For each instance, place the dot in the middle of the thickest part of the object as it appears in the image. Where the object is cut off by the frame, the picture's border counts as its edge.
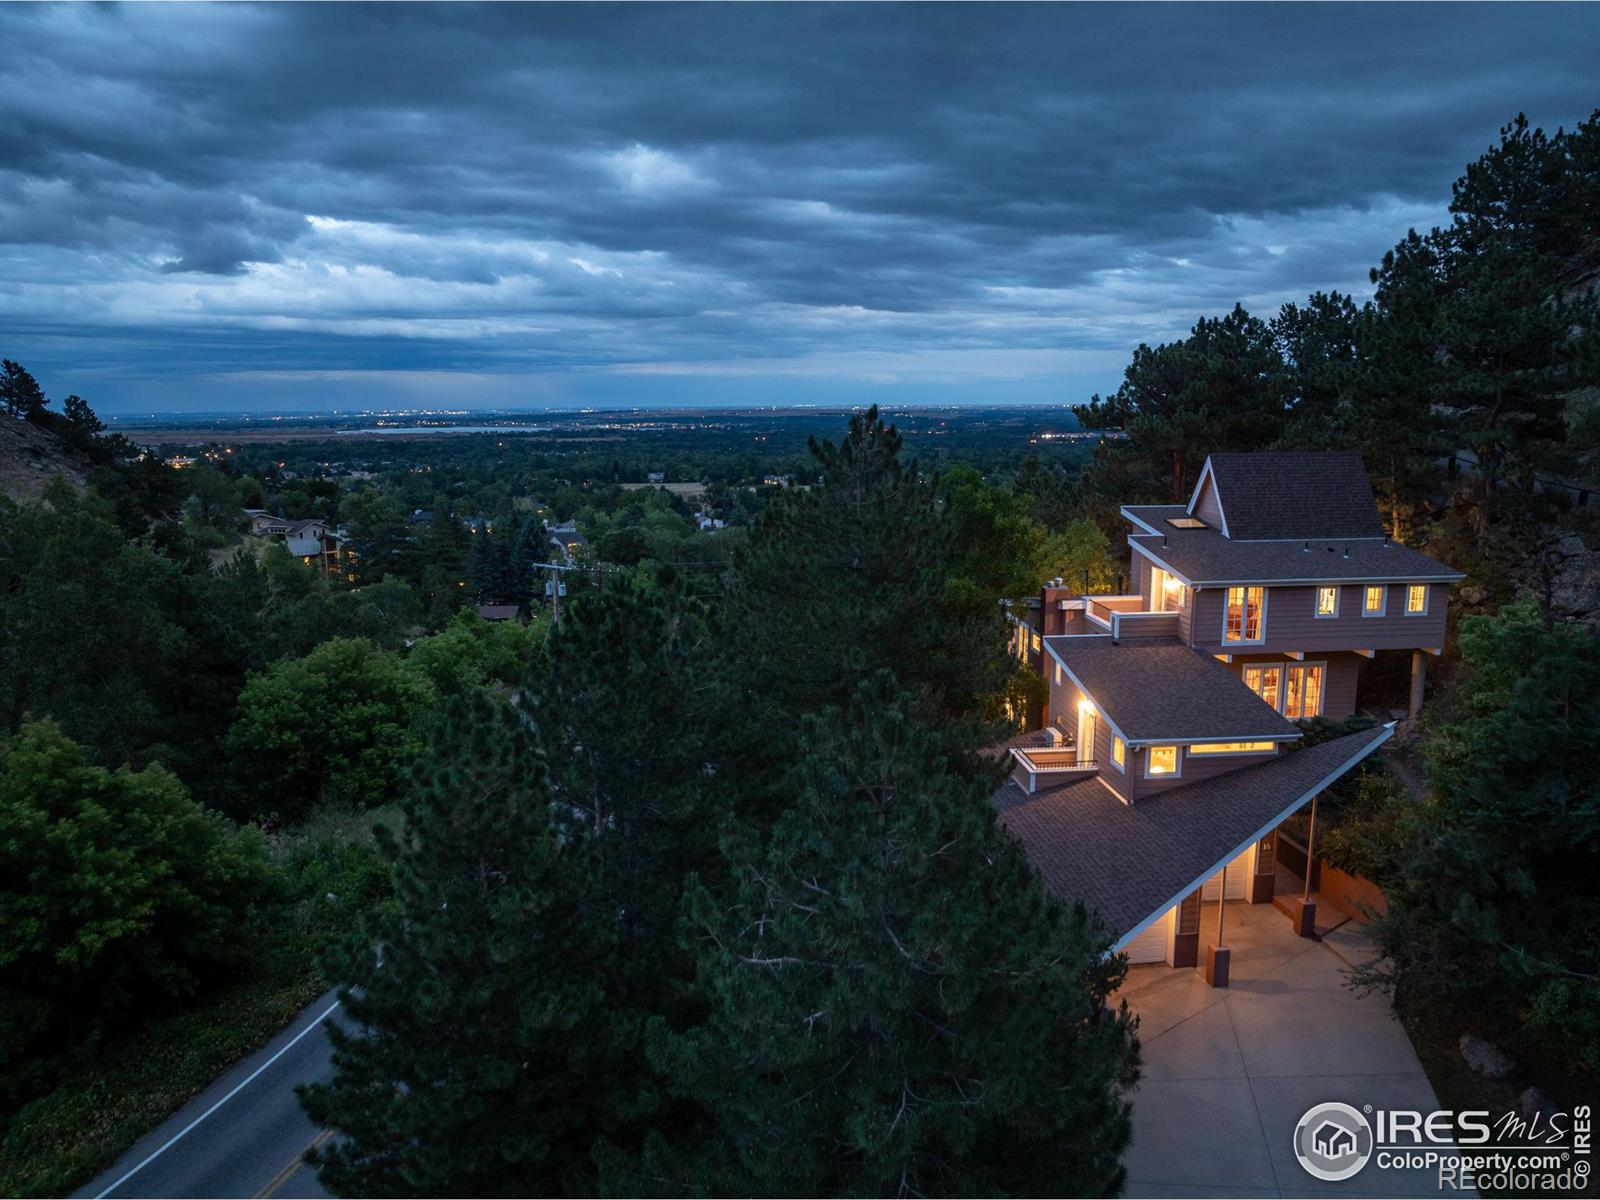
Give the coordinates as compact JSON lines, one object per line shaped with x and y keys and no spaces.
{"x":1306,"y":549}
{"x":1163,"y":541}
{"x":1386,"y":541}
{"x":1347,"y":551}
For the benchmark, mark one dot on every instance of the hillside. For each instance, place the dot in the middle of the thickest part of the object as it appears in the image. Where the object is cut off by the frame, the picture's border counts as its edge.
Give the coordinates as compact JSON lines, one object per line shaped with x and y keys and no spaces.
{"x":29,"y":456}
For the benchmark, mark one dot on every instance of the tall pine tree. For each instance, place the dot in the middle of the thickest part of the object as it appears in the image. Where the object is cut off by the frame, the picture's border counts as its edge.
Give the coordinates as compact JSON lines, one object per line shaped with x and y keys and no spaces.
{"x":896,"y":1007}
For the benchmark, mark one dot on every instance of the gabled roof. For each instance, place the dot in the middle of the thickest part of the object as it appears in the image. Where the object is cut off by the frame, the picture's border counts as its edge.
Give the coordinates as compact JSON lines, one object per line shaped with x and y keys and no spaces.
{"x":304,"y":546}
{"x":1130,"y":862}
{"x":1322,"y":494}
{"x":568,"y":538}
{"x":1159,"y":690}
{"x":1205,"y":558}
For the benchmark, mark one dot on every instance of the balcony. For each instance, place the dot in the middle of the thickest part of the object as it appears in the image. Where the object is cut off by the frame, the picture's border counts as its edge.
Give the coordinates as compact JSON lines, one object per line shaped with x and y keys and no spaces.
{"x":1038,"y":767}
{"x":1099,"y":610}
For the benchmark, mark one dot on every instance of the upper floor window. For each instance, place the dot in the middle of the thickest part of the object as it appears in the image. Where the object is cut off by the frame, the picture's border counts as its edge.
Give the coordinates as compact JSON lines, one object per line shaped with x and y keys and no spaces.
{"x":1374,"y":600}
{"x":1327,"y":602}
{"x":1244,"y":614}
{"x":1036,"y":643}
{"x":1119,"y":752}
{"x":1417,"y":600}
{"x":1161,"y":760}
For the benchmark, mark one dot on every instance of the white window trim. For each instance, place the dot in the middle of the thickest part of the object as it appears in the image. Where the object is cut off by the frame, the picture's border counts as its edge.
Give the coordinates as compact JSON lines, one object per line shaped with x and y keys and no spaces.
{"x":1277,"y":705}
{"x":1255,"y":641}
{"x":1123,"y":765}
{"x":1383,"y":609}
{"x":1316,"y":602}
{"x":1177,"y":761}
{"x":1283,"y":689}
{"x":1427,"y":596}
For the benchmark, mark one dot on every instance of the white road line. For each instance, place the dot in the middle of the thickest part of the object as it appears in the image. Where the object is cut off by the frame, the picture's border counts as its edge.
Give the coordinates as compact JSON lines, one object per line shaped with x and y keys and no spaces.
{"x":174,"y":1139}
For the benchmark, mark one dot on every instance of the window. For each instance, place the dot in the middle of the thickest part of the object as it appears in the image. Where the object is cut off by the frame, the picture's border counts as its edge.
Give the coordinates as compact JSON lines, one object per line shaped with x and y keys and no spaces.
{"x":1327,"y":602}
{"x":1302,"y":693}
{"x":1417,"y":600}
{"x":1161,"y":760}
{"x":1233,"y":748}
{"x":1119,"y":753}
{"x":1264,"y":681}
{"x":1242,"y":620}
{"x":1374,"y":601}
{"x":1036,"y":644}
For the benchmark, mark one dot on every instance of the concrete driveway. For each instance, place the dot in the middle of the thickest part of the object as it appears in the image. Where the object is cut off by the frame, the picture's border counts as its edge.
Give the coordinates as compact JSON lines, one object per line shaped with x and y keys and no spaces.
{"x":1229,"y":1072}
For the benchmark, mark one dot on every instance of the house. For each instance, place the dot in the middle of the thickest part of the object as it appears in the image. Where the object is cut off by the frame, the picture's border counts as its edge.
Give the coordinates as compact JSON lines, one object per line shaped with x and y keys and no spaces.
{"x":311,"y":540}
{"x":1170,"y":752}
{"x":498,"y":612}
{"x":657,"y":477}
{"x":566,"y":539}
{"x":1333,"y":1141}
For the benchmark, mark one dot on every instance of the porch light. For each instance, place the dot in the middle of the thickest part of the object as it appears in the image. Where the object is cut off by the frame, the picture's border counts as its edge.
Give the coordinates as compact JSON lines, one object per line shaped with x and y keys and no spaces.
{"x":1085,"y":707}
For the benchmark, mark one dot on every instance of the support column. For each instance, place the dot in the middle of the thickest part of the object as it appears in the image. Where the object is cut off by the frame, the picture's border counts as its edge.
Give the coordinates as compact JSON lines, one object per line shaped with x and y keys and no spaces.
{"x":1419,"y":675}
{"x":1264,"y":881}
{"x":1305,"y":924}
{"x":1217,"y":953}
{"x":1186,"y":937}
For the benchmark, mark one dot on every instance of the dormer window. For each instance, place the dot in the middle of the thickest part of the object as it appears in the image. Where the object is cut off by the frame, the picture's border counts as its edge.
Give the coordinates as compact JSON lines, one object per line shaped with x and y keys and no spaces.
{"x":1243,"y":614}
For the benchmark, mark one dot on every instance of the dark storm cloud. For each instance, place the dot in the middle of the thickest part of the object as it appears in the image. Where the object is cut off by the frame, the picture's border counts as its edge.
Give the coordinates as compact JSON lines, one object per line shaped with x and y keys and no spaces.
{"x":203,"y":192}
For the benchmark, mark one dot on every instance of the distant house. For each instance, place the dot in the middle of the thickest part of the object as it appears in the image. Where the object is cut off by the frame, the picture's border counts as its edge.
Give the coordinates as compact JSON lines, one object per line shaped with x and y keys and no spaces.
{"x":777,"y":480}
{"x":707,"y":522}
{"x":498,"y":612}
{"x":566,"y":539}
{"x":420,"y":516}
{"x":311,"y":540}
{"x":478,"y":524}
{"x":657,"y":477}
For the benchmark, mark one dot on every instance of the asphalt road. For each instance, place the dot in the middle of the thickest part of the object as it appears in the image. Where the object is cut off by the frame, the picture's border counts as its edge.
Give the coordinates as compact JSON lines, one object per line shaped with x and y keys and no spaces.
{"x":244,"y":1135}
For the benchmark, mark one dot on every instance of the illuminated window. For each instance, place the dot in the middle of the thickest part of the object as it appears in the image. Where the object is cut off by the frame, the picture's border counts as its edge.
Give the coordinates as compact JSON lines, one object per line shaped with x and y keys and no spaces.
{"x":1167,"y":592}
{"x":1058,"y":672}
{"x":1036,"y":643}
{"x":1327,"y":602}
{"x":1243,"y":619}
{"x":1161,"y":760}
{"x":1302,"y":693}
{"x":1417,"y":600}
{"x":1119,"y":753}
{"x":1374,"y":601}
{"x":1232,"y":748}
{"x":1264,"y":681}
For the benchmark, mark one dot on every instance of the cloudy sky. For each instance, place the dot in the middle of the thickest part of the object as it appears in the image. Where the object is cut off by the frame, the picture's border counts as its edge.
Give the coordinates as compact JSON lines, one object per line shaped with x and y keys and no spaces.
{"x":286,"y":207}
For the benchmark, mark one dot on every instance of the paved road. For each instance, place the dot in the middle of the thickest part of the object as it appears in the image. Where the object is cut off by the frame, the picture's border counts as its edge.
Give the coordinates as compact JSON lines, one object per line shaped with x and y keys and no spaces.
{"x":244,"y":1135}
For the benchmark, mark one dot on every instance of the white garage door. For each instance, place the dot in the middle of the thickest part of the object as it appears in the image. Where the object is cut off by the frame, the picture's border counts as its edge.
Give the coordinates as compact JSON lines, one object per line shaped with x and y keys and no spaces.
{"x":1151,"y":945}
{"x":1238,"y":879}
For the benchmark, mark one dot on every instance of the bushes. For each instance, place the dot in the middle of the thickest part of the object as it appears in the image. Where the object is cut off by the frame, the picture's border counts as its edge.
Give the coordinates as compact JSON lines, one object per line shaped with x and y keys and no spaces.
{"x":118,"y":891}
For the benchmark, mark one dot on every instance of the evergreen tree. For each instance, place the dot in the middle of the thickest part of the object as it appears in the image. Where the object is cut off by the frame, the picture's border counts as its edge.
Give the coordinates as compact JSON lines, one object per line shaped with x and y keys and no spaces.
{"x":20,"y":393}
{"x":481,"y":1057}
{"x":856,"y":573}
{"x":896,"y":1007}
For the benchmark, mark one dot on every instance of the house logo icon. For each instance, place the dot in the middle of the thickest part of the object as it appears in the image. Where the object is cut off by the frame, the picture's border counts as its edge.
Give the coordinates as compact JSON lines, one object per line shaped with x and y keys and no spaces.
{"x":1333,"y":1141}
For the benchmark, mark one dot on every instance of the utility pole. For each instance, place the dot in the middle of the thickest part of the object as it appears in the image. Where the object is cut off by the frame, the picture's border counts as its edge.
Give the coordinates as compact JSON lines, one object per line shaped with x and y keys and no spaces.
{"x":555,"y":594}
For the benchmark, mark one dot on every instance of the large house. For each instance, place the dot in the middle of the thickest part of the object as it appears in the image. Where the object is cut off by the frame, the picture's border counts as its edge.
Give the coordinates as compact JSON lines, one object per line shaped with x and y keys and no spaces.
{"x":1169,"y":757}
{"x":314,"y":542}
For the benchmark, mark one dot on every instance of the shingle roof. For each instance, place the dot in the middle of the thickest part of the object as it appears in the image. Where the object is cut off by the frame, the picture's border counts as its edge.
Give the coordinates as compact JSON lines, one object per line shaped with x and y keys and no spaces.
{"x":1203,"y":556}
{"x":1129,"y":862}
{"x":304,"y":546}
{"x":1296,"y":495}
{"x":1158,"y":689}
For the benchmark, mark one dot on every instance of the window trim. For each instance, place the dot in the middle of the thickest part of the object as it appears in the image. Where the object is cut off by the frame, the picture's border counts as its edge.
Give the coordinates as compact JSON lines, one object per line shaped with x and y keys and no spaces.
{"x":1262,"y":631}
{"x":1277,"y":668}
{"x":1383,"y":609}
{"x":1427,"y":595}
{"x":1316,"y":602}
{"x":1177,"y":761}
{"x":1322,"y":690}
{"x":1119,"y":754}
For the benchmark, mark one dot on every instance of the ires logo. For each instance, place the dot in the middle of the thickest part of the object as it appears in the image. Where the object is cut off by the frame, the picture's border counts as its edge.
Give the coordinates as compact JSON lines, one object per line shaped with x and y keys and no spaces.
{"x":1399,"y":1127}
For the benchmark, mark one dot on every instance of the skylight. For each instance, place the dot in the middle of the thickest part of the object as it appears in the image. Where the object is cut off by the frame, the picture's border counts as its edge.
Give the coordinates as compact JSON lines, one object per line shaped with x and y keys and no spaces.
{"x":1186,"y":523}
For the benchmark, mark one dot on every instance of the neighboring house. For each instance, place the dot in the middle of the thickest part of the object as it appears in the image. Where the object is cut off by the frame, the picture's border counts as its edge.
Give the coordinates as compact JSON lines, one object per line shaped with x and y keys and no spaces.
{"x":312,"y":541}
{"x":498,"y":612}
{"x":1168,"y":757}
{"x":657,"y":477}
{"x":478,"y":524}
{"x":566,"y":539}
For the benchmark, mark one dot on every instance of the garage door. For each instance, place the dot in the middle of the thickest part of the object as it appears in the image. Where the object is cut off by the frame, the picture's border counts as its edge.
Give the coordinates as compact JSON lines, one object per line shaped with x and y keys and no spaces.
{"x":1238,"y":879}
{"x":1151,"y":945}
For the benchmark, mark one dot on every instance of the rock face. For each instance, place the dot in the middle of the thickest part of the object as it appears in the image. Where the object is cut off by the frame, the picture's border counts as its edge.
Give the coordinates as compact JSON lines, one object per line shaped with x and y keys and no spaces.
{"x":29,"y":456}
{"x":1574,"y":579}
{"x":1486,"y":1058}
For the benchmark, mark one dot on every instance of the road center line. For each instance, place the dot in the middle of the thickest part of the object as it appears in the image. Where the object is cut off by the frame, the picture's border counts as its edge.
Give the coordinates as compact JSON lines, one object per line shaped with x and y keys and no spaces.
{"x":237,"y":1088}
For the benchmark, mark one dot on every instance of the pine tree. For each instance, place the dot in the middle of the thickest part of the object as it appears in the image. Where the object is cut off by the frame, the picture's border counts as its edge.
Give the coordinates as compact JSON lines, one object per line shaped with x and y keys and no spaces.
{"x":20,"y":393}
{"x":853,"y":574}
{"x":896,"y":1007}
{"x":480,"y":1058}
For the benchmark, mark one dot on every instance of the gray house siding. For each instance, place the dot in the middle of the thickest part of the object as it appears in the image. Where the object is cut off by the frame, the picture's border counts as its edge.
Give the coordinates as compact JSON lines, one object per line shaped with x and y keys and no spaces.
{"x":1339,"y":681}
{"x":1292,"y":623}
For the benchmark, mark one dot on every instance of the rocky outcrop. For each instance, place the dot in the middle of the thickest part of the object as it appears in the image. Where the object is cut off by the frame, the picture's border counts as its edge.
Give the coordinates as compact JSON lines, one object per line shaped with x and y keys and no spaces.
{"x":1486,"y":1058}
{"x":29,"y":456}
{"x":1566,"y":572}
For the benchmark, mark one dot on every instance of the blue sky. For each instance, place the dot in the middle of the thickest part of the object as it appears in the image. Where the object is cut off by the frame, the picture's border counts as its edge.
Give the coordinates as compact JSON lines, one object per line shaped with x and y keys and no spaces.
{"x":227,"y":207}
